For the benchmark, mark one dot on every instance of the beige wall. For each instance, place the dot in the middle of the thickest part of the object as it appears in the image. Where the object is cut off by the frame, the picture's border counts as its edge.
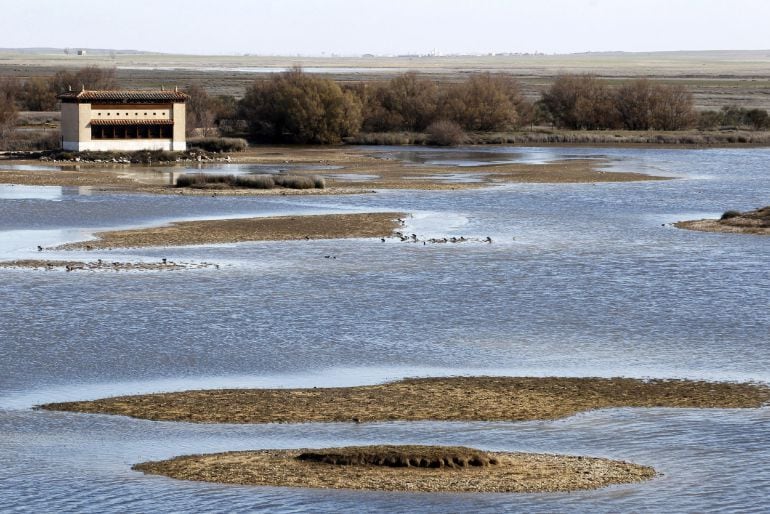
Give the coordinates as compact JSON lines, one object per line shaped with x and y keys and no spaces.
{"x":76,"y":128}
{"x":132,"y":112}
{"x":69,"y":122}
{"x":178,"y":141}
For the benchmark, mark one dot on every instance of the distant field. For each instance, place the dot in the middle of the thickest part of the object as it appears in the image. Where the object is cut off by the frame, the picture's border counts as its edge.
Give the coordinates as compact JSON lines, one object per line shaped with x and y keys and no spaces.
{"x":716,"y":78}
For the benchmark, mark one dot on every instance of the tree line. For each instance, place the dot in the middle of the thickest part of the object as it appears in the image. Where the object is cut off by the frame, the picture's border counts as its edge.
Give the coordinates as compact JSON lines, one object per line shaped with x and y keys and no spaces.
{"x":298,"y":107}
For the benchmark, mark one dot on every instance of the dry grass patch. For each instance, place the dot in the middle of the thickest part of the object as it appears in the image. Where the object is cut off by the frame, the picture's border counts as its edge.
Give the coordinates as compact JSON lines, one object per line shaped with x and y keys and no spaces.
{"x":504,"y":472}
{"x":419,"y":399}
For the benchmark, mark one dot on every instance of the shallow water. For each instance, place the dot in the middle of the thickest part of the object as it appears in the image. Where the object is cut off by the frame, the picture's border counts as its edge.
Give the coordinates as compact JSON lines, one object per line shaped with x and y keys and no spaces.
{"x":476,"y":156}
{"x":581,"y":279}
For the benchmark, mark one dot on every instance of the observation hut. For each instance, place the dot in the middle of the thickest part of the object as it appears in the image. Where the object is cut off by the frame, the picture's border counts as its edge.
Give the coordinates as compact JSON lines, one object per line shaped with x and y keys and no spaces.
{"x":123,"y":120}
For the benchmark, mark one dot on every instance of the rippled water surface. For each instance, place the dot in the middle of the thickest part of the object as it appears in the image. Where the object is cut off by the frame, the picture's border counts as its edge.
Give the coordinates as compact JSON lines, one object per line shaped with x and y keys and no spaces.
{"x":581,"y":279}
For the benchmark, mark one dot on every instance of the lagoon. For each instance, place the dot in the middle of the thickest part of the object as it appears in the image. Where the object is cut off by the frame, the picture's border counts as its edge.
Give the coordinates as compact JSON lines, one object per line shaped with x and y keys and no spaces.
{"x":581,"y":280}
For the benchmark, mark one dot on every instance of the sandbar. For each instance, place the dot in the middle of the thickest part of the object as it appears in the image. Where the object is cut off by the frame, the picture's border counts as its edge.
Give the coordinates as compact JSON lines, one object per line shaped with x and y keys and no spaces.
{"x":756,"y":222}
{"x":394,"y":470}
{"x":275,"y":228}
{"x":422,"y":399}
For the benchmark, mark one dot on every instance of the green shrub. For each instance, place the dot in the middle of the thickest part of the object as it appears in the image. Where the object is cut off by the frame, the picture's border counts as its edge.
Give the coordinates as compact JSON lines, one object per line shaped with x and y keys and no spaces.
{"x":300,"y":108}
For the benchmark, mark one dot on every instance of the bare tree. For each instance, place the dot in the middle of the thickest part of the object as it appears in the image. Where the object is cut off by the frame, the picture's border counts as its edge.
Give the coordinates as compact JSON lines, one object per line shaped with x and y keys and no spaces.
{"x":90,"y":77}
{"x":200,"y":111}
{"x":36,"y":95}
{"x":672,"y":108}
{"x":8,"y":111}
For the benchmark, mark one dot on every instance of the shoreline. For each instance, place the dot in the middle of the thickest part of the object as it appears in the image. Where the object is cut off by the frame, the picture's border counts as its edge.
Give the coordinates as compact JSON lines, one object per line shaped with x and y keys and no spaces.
{"x":346,"y":169}
{"x":503,"y":472}
{"x":756,"y":222}
{"x":102,"y":265}
{"x":426,"y":399}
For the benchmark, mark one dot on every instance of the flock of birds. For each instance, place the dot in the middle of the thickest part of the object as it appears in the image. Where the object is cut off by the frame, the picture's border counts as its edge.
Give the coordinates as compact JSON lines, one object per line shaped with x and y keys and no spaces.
{"x":414,"y":239}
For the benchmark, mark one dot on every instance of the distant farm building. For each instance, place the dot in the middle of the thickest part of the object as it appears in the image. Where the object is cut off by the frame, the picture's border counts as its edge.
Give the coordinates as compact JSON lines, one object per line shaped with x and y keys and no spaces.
{"x":123,"y":120}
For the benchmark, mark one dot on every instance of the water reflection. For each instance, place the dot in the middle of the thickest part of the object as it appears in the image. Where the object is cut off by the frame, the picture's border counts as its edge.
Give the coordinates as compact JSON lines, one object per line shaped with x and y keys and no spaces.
{"x":38,"y":167}
{"x":19,"y":192}
{"x":473,"y":156}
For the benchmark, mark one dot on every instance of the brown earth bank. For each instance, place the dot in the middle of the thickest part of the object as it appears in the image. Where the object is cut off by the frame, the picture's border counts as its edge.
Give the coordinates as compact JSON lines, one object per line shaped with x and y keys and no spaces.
{"x":103,"y":265}
{"x":278,"y":228}
{"x":400,"y":468}
{"x":419,"y":399}
{"x":755,"y":222}
{"x":357,"y":171}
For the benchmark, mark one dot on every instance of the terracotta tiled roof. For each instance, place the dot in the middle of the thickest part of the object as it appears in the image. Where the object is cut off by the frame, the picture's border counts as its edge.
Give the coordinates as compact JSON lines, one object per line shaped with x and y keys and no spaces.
{"x":126,"y":121}
{"x":139,"y":96}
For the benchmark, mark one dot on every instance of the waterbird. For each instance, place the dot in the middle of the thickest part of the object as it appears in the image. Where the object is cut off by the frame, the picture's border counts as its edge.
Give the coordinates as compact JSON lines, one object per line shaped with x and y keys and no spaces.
{"x":488,"y":240}
{"x":164,"y":260}
{"x":381,"y":239}
{"x":39,"y":248}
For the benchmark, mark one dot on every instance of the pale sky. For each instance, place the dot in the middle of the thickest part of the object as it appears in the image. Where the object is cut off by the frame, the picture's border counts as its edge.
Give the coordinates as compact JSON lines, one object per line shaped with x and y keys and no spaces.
{"x":354,"y":27}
